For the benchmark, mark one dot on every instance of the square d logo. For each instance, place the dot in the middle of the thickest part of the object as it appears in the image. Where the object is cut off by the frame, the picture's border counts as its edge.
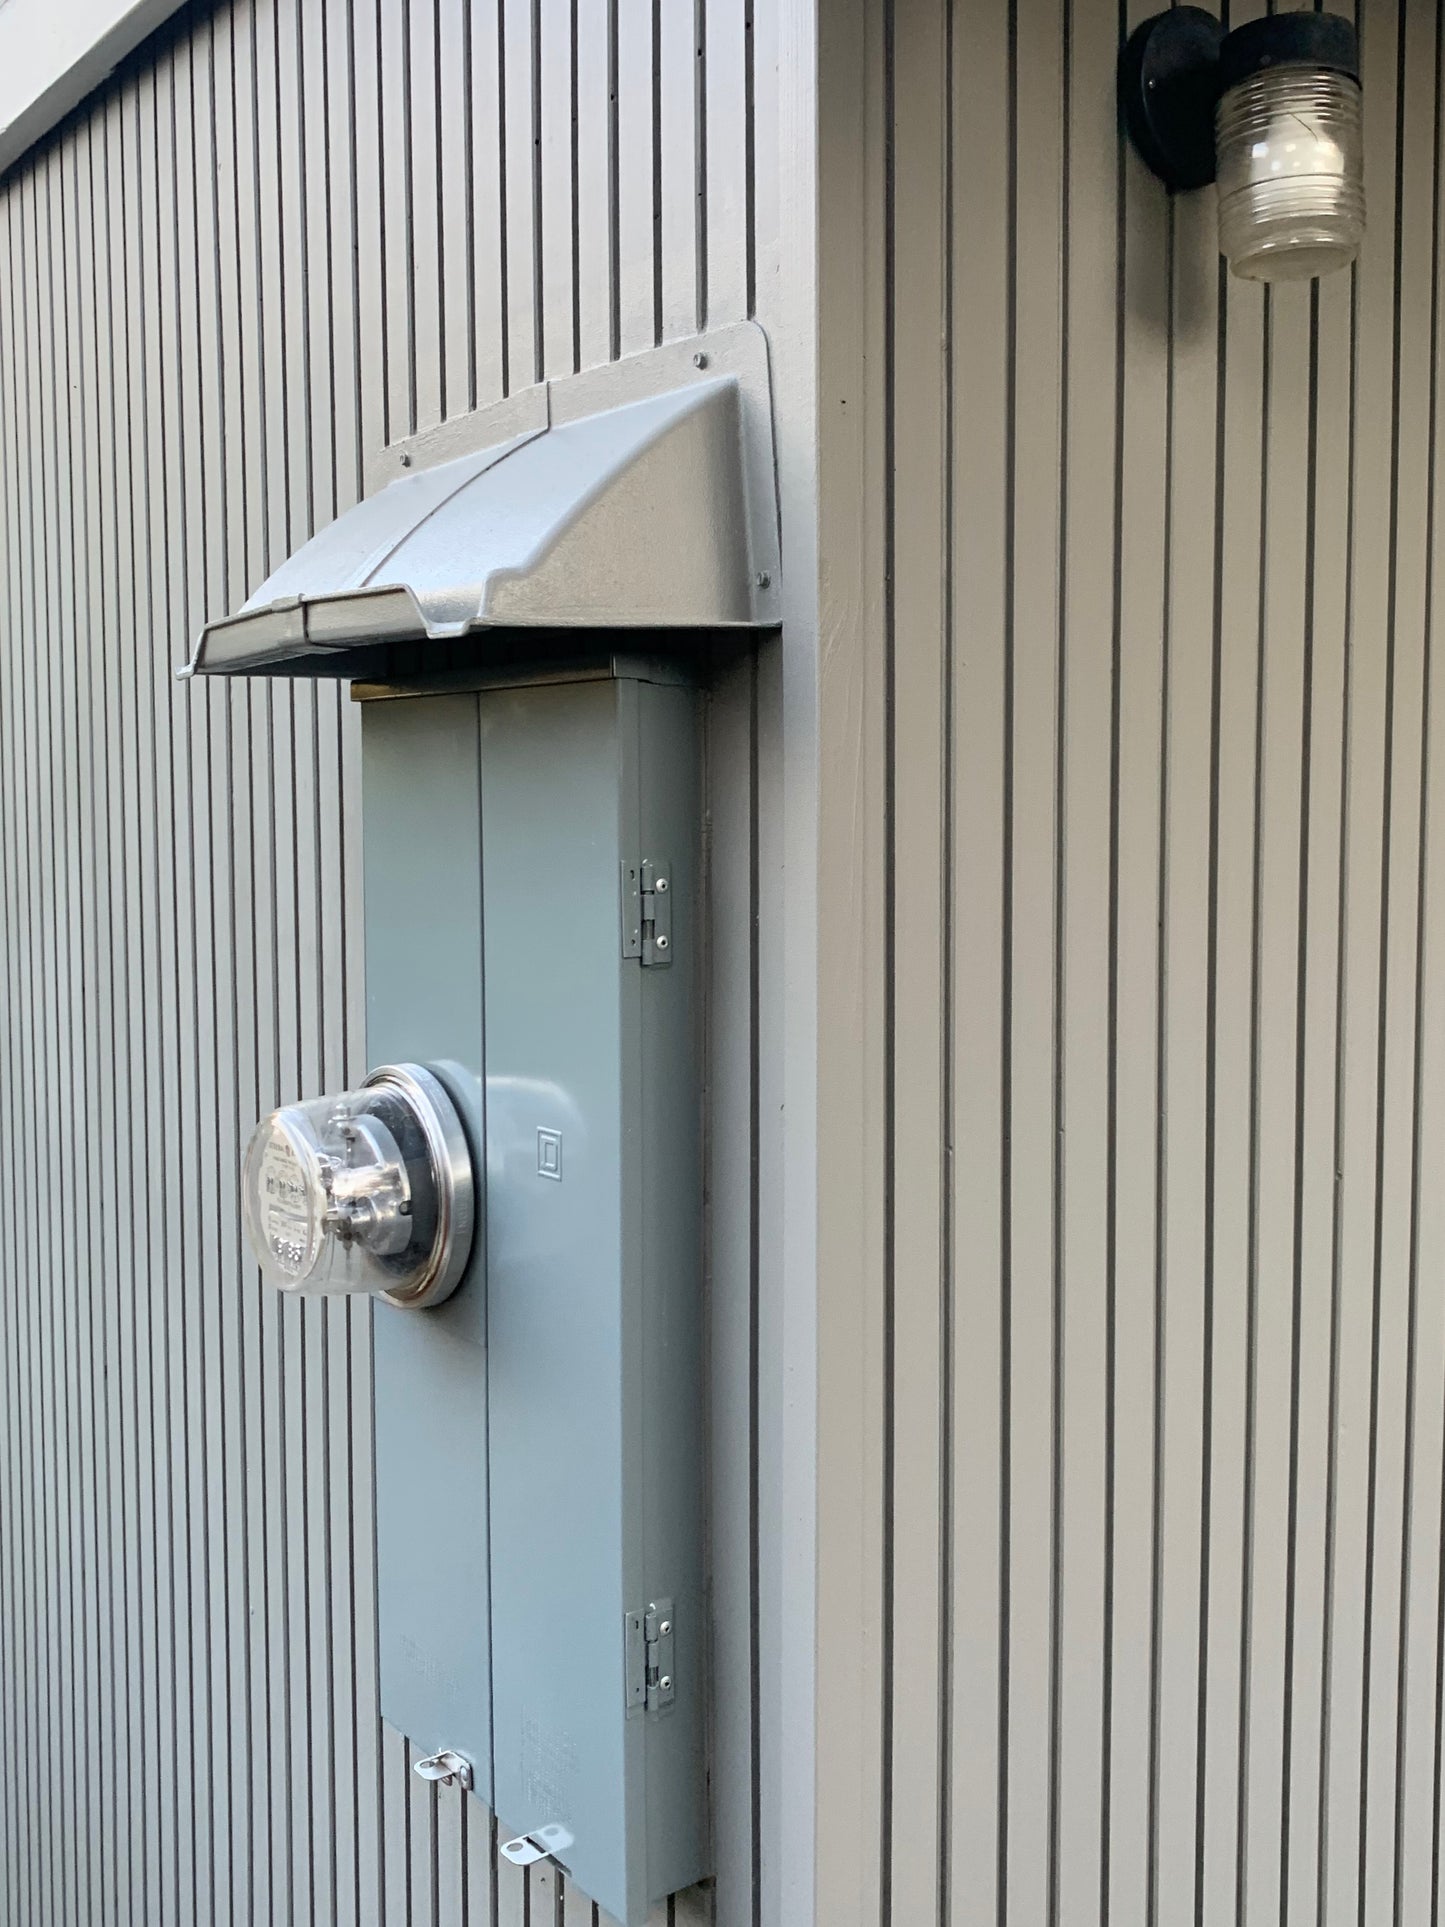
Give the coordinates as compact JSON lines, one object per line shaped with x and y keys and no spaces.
{"x":549,"y":1154}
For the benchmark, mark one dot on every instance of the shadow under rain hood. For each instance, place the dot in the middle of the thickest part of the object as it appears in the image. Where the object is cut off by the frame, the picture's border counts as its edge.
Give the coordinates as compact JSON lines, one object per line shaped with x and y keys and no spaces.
{"x":636,"y":517}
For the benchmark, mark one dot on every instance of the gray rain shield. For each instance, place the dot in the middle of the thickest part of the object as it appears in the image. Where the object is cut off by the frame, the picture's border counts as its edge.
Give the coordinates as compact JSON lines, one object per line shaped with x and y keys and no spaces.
{"x":636,"y":517}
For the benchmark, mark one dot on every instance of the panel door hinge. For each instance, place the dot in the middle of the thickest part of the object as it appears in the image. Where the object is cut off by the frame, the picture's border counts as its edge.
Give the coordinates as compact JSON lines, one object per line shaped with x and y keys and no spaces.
{"x":647,"y":910}
{"x":651,"y":1673}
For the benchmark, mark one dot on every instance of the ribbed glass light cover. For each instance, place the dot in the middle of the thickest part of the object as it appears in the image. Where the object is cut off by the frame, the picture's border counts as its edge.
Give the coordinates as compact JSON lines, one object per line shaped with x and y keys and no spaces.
{"x":1291,"y":174}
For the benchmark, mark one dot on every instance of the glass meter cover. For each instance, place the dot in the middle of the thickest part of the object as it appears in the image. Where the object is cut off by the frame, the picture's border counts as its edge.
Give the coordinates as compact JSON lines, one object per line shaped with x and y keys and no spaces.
{"x":368,"y":1191}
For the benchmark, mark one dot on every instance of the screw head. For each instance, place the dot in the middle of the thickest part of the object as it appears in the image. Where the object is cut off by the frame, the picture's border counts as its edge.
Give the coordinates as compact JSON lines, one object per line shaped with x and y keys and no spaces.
{"x":662,"y":943}
{"x":406,"y":461}
{"x":763,"y":578}
{"x":665,"y":1627}
{"x":661,"y":885}
{"x":666,"y":1682}
{"x":699,"y":360}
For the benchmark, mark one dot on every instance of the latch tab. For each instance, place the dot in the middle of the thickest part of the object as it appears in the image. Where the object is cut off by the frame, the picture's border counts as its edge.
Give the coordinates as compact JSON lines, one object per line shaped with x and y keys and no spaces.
{"x":547,"y":1843}
{"x":446,"y":1768}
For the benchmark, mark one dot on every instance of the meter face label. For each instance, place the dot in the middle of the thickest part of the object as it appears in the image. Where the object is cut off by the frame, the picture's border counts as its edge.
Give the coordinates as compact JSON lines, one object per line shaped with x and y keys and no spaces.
{"x":287,"y":1206}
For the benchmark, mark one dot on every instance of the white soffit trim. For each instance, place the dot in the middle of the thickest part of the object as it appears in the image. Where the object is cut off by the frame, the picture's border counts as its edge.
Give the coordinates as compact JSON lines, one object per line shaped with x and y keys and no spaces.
{"x":55,"y":52}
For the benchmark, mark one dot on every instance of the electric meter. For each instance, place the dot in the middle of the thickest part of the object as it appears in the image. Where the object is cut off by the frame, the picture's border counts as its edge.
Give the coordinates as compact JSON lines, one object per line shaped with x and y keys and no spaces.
{"x":368,"y":1191}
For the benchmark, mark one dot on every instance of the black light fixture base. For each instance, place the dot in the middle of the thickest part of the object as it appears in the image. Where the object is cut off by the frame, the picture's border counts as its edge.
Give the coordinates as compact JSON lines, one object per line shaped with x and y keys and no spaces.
{"x":1168,"y":87}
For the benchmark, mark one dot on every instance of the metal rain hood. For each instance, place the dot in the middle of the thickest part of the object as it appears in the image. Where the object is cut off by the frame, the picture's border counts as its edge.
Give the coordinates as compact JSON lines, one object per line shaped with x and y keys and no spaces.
{"x":645,"y":516}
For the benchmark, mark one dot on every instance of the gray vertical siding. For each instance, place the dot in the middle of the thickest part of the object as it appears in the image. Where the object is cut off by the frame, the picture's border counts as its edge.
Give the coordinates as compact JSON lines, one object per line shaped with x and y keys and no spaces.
{"x":1133,"y":833}
{"x":288,"y":231}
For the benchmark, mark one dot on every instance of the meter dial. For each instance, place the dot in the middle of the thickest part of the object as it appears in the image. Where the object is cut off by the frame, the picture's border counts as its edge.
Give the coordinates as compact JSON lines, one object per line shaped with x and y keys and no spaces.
{"x":368,"y":1191}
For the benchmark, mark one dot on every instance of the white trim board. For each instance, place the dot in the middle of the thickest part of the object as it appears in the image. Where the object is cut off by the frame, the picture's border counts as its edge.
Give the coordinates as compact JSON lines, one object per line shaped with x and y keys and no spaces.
{"x":52,"y":56}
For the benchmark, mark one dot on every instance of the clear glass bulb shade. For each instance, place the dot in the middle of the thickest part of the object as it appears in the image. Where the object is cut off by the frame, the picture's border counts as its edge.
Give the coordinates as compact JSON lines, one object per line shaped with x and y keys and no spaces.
{"x":1291,"y":174}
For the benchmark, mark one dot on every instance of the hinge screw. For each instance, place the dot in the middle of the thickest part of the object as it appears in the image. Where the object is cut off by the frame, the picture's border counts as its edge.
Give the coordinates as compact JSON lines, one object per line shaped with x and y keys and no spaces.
{"x":665,"y":1627}
{"x":699,"y":360}
{"x":662,"y":943}
{"x":763,"y":578}
{"x":661,"y":885}
{"x":666,"y":1682}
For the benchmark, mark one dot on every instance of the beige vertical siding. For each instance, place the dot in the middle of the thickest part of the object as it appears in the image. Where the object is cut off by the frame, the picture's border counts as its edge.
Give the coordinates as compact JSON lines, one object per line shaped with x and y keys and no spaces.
{"x":1133,"y":1371}
{"x":288,"y":231}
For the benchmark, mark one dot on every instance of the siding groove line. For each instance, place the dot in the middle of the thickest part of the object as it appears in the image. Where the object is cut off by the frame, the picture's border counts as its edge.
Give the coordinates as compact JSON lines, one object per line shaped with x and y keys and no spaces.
{"x":888,"y":1308}
{"x":1369,"y":1726}
{"x":947,"y":1093}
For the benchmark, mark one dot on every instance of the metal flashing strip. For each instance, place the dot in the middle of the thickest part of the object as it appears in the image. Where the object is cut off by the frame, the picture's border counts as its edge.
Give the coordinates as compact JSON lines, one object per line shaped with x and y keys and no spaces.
{"x":609,"y":665}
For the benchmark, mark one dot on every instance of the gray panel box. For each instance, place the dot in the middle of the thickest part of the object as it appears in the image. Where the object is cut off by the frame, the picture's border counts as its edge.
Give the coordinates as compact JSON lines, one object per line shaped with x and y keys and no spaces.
{"x":534,"y":934}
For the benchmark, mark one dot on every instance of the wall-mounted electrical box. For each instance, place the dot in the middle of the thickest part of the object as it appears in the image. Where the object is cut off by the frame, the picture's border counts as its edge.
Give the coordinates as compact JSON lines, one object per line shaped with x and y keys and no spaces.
{"x":549,"y":1408}
{"x":518,"y":1182}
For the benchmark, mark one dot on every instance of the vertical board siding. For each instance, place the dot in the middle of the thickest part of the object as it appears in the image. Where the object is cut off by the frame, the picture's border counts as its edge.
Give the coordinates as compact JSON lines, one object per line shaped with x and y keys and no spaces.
{"x":1151,"y":723}
{"x":289,"y":230}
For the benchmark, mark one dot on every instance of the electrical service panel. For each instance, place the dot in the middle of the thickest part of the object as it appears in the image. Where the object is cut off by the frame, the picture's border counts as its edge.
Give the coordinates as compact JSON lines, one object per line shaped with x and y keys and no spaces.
{"x":520,"y":1186}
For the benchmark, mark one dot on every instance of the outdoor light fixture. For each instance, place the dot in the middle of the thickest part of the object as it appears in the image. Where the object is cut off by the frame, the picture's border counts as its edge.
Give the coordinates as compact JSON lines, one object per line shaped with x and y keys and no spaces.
{"x":1272,"y":113}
